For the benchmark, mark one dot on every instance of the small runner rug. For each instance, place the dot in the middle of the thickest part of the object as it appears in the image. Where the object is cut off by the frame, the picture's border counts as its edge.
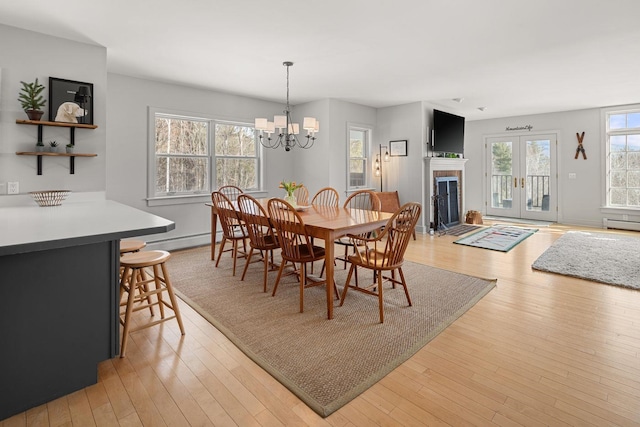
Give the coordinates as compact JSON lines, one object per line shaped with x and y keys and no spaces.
{"x":326,"y":363}
{"x":497,"y":238}
{"x":601,"y":257}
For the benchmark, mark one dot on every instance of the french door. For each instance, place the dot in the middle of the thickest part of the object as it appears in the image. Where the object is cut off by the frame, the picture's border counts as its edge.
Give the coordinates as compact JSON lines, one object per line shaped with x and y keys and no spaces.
{"x":521,"y":177}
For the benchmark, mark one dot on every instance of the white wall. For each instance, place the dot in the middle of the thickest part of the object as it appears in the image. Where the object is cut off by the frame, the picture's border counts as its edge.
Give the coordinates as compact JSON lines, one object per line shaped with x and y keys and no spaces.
{"x":27,"y":55}
{"x":579,"y":200}
{"x":403,"y":174}
{"x":128,"y":102}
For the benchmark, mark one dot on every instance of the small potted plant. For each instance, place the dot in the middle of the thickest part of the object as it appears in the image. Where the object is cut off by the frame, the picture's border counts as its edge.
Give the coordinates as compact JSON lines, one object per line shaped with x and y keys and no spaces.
{"x":39,"y":146}
{"x":31,"y":99}
{"x":69,"y":147}
{"x":53,"y":146}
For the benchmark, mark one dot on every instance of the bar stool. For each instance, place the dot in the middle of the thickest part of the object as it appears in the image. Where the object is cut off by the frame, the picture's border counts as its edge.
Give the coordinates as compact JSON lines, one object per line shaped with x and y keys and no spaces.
{"x":135,"y":279}
{"x":130,"y":245}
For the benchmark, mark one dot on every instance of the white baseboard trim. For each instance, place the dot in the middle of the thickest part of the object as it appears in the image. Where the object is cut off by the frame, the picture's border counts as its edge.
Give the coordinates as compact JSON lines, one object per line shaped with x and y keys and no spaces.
{"x":180,"y":242}
{"x":621,"y":225}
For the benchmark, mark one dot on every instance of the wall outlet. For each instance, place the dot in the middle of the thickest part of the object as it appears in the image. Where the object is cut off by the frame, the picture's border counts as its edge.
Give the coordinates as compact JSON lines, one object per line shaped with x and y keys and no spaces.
{"x":572,"y":175}
{"x":13,"y":188}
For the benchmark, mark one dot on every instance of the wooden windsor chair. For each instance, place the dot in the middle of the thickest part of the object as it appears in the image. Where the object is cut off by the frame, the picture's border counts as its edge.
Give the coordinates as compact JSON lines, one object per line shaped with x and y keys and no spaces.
{"x":262,"y":236}
{"x":384,"y":253}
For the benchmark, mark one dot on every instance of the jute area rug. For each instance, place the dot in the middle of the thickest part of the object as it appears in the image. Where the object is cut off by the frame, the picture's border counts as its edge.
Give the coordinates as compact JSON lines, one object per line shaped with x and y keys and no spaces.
{"x":600,"y":257}
{"x":326,"y":363}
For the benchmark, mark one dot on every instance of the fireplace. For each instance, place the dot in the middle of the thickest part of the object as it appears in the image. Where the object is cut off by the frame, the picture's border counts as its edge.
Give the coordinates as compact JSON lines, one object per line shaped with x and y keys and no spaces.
{"x":446,"y":202}
{"x":444,"y":171}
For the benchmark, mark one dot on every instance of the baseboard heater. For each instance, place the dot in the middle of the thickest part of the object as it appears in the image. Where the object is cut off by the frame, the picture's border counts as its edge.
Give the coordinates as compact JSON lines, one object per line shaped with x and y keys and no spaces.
{"x":621,"y":225}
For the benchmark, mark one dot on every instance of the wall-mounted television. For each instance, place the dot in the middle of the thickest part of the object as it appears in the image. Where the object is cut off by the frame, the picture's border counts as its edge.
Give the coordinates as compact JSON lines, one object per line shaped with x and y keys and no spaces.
{"x":448,"y":133}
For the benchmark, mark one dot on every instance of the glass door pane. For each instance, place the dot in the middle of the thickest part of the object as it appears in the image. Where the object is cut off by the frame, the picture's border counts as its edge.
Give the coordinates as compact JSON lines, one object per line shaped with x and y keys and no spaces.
{"x":538,"y":175}
{"x":501,"y":176}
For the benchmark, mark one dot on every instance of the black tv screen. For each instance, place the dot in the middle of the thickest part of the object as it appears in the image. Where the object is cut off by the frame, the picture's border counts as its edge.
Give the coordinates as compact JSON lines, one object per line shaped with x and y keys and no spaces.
{"x":448,"y":133}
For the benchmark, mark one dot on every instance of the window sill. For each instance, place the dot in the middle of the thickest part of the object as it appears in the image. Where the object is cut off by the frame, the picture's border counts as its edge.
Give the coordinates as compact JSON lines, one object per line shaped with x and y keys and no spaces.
{"x":179,"y":200}
{"x":192,"y":199}
{"x":619,"y":210}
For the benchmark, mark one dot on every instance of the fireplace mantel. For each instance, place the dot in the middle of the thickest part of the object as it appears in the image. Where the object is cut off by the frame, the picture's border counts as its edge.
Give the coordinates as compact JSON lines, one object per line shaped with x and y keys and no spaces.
{"x":433,"y":164}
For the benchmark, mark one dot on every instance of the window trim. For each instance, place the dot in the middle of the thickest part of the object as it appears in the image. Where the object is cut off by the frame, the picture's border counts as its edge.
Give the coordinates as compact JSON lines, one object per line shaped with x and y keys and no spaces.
{"x":604,"y":162}
{"x":368,"y":130}
{"x":203,"y":197}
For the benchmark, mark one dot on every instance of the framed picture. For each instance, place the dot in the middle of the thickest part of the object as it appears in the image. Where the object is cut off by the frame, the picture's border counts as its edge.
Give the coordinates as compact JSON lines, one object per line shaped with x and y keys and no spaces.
{"x":70,"y":101}
{"x":398,"y":148}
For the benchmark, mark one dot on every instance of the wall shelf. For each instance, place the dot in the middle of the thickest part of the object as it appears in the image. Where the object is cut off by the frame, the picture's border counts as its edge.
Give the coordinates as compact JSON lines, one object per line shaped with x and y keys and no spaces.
{"x":72,"y":127}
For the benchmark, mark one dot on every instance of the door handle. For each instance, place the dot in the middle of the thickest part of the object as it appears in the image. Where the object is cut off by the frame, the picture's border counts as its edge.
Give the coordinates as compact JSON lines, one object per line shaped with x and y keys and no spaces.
{"x":522,"y":182}
{"x":515,"y":182}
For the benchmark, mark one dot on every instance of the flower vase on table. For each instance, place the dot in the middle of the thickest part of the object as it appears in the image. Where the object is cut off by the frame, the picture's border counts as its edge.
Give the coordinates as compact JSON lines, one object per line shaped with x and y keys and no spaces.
{"x":290,"y":187}
{"x":291,"y":199}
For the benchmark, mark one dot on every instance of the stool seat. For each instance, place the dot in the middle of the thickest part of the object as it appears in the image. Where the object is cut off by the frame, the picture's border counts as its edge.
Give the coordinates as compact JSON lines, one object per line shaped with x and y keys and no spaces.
{"x":144,"y":279}
{"x":130,"y":245}
{"x":143,"y":258}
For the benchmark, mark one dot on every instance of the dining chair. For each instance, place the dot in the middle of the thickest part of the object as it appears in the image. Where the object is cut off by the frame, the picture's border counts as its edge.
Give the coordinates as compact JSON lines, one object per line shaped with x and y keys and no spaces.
{"x":302,"y":195}
{"x":231,"y":191}
{"x":233,"y":229}
{"x":363,"y":200}
{"x":262,"y":236}
{"x":390,"y":202}
{"x":384,"y":253}
{"x":327,"y":196}
{"x":296,"y":245}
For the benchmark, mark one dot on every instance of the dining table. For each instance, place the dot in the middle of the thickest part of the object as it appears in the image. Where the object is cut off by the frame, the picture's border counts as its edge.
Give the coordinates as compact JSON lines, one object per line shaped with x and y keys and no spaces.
{"x":327,"y":223}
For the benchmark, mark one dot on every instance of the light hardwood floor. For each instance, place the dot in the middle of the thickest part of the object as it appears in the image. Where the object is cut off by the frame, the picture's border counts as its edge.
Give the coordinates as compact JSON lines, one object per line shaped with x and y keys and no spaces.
{"x":539,"y":349}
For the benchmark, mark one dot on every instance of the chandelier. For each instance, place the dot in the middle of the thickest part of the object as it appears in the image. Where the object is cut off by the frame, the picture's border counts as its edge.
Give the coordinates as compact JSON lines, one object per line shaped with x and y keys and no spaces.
{"x":286,"y":128}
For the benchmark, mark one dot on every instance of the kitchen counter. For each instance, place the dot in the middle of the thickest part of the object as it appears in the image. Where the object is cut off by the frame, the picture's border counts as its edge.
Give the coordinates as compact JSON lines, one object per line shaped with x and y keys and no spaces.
{"x":59,"y":295}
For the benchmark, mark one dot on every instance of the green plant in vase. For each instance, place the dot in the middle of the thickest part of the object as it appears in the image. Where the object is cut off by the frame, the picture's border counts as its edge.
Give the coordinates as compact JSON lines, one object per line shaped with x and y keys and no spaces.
{"x":39,"y":146}
{"x":70,"y":147}
{"x":31,"y":99}
{"x":290,"y":187}
{"x":53,"y":146}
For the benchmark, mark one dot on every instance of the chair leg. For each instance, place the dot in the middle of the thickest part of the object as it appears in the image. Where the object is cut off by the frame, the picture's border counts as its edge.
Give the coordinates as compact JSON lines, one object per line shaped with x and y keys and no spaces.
{"x":265,"y":274}
{"x":128,"y":311}
{"x":346,"y":253}
{"x":404,"y":283}
{"x":234,"y":254}
{"x":222,"y":243}
{"x":172,"y":297}
{"x":246,"y":265}
{"x":346,"y":284}
{"x":303,"y":277}
{"x":380,"y":299}
{"x":275,"y":287}
{"x":158,"y":283}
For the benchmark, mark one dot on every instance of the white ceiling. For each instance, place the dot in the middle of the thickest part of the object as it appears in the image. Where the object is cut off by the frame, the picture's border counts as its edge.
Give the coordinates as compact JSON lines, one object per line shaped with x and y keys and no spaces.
{"x":513,"y":57}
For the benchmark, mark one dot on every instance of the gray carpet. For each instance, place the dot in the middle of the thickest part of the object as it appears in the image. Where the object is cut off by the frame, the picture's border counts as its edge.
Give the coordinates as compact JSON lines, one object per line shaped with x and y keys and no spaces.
{"x":326,"y":363}
{"x":601,"y":257}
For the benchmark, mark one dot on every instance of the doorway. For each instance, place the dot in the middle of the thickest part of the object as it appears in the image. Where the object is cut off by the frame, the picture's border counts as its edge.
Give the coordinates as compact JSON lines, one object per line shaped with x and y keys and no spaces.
{"x":521,"y":177}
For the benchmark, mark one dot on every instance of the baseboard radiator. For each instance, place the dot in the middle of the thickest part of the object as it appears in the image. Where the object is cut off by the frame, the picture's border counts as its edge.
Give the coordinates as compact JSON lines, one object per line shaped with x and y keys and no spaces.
{"x":621,"y":225}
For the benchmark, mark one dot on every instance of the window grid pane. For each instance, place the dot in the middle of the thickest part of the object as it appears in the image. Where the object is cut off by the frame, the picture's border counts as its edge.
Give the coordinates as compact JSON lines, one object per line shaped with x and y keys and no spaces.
{"x":184,"y":158}
{"x":358,"y":147}
{"x":623,"y":185}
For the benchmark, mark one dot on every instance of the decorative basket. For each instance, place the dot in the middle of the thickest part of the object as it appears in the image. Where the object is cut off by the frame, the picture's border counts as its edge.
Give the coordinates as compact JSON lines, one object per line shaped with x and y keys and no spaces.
{"x":49,"y":197}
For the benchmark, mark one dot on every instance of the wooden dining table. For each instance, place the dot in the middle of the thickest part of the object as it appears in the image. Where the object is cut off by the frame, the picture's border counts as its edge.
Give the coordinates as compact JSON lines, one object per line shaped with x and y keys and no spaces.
{"x":326,"y":223}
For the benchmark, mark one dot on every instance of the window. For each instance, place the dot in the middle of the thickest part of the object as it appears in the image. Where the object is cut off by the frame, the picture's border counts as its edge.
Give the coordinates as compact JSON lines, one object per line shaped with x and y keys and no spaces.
{"x":359,"y":140}
{"x":194,"y":155}
{"x":236,"y":156}
{"x":181,"y":156}
{"x":623,"y":158}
